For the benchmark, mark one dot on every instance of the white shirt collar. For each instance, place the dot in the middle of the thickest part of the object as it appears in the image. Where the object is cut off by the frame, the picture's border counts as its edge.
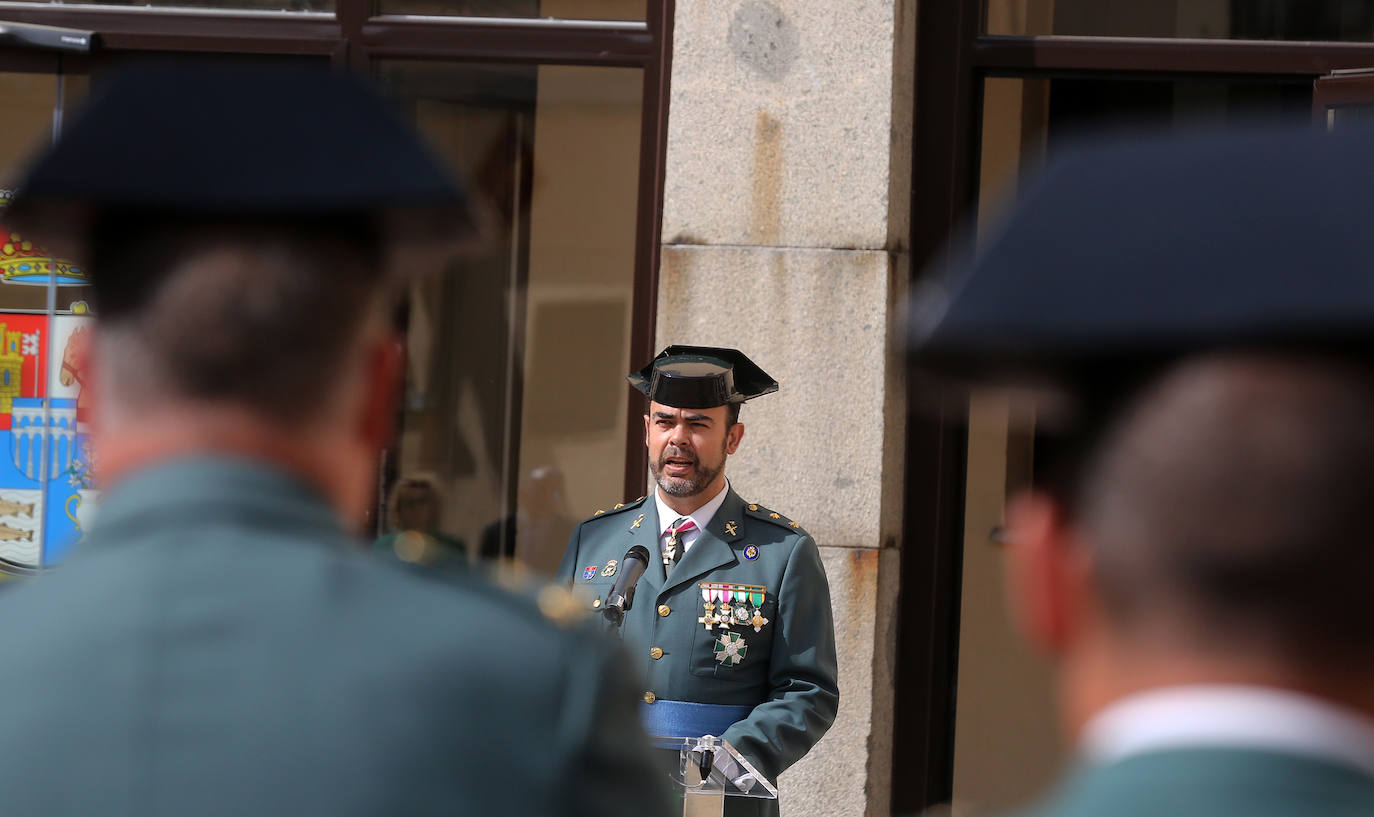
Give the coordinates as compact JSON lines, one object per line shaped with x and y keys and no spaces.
{"x":702,"y":516}
{"x":1251,"y":717}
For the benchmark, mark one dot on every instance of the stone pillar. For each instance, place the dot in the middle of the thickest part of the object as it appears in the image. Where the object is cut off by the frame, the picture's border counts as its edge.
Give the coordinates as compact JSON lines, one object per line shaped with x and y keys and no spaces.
{"x":784,"y":230}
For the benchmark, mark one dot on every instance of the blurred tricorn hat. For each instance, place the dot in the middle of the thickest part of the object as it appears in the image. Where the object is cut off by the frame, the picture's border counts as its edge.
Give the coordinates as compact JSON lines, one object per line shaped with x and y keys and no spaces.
{"x":233,"y":142}
{"x":1145,"y":249}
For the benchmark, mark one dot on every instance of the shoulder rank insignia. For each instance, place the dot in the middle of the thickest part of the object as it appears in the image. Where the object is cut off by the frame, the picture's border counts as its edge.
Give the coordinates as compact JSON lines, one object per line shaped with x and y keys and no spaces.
{"x":776,"y":518}
{"x":588,"y":573}
{"x":560,"y":606}
{"x":617,"y":507}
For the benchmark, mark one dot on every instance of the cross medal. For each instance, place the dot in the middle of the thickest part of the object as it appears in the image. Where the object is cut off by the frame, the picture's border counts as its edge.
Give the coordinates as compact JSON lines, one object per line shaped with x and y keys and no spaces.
{"x":709,"y":603}
{"x":670,"y":552}
{"x":675,"y":532}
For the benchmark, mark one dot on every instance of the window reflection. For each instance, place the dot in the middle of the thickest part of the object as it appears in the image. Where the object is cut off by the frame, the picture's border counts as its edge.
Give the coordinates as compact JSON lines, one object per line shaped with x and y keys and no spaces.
{"x":1340,"y":20}
{"x":238,"y":5}
{"x":565,"y":9}
{"x":515,"y":398}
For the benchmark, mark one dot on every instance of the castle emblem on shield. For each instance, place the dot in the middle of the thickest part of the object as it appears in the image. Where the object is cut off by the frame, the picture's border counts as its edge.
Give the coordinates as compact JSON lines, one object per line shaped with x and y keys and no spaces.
{"x":46,"y":494}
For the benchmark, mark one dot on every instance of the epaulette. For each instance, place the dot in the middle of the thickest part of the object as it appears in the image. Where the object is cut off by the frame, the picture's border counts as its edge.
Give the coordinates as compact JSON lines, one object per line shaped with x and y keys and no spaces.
{"x":619,"y":506}
{"x":560,"y":606}
{"x":556,"y":603}
{"x":760,"y":512}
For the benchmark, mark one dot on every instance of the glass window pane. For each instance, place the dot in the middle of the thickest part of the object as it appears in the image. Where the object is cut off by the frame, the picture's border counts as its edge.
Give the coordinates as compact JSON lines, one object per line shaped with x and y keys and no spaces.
{"x":515,"y":406}
{"x":324,"y":6}
{"x":1007,"y":739}
{"x":46,"y":494}
{"x":1340,"y":20}
{"x":564,"y":9}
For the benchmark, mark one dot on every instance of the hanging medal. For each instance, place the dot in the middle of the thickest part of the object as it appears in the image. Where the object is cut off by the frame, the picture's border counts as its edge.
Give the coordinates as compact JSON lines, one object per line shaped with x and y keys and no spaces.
{"x":756,"y":596}
{"x":708,"y":602}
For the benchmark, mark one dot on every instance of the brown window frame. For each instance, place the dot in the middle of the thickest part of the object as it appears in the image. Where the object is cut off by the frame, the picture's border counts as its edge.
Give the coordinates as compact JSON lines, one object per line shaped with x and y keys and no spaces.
{"x":953,"y":59}
{"x":354,"y":37}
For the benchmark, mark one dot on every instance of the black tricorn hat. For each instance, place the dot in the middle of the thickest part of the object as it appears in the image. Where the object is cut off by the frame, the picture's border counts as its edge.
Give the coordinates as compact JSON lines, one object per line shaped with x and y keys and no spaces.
{"x":1136,"y":252}
{"x":232,"y":143}
{"x":701,"y":377}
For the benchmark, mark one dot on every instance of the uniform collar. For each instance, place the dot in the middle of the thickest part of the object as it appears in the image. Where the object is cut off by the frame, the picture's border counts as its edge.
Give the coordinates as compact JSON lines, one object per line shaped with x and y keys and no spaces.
{"x":1238,"y":717}
{"x":702,"y":516}
{"x":206,"y":487}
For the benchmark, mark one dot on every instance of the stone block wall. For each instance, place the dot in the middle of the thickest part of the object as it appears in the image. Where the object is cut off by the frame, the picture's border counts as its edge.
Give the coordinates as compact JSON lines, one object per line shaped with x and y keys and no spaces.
{"x":784,"y":229}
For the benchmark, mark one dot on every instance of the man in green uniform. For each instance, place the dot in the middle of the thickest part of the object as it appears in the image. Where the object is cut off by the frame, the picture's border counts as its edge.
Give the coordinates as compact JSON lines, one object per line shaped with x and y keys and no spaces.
{"x":1194,"y":553}
{"x":223,"y":644}
{"x":730,"y":629}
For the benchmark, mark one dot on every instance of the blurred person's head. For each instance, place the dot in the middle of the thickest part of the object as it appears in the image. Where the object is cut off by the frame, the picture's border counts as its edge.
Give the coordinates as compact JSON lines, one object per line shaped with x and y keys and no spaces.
{"x":416,"y":504}
{"x":1212,"y":527}
{"x":266,"y":340}
{"x":545,"y":495}
{"x":240,"y":273}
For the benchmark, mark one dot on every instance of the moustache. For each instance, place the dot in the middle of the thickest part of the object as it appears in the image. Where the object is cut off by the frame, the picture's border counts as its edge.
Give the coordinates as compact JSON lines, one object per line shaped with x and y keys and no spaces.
{"x":676,"y":454}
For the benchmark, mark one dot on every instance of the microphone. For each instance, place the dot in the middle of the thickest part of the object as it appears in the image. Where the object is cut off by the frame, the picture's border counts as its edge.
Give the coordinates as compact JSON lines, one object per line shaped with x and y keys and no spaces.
{"x":622,"y":594}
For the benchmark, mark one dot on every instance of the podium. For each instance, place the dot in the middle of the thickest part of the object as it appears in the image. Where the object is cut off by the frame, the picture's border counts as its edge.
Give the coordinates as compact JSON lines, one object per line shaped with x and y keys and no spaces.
{"x":709,"y":770}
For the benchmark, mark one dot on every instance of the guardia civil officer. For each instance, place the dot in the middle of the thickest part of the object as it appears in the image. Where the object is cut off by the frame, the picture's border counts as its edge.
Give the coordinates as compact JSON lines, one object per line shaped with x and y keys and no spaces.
{"x":731,"y":627}
{"x":222,"y":644}
{"x":1195,"y":556}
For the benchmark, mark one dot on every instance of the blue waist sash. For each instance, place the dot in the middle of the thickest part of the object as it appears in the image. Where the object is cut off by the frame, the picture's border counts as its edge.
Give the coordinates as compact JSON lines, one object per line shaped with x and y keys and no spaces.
{"x":684,"y":719}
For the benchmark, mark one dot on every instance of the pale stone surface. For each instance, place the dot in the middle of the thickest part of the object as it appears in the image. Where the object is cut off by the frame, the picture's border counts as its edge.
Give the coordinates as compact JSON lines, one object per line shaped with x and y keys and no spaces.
{"x":781,"y":123}
{"x":837,"y":778}
{"x":903,"y":124}
{"x":821,"y":323}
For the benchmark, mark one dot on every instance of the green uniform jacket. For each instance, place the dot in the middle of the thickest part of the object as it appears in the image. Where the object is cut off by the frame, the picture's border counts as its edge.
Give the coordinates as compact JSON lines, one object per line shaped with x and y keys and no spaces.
{"x":788,"y":673}
{"x":1206,"y":782}
{"x":221,"y":646}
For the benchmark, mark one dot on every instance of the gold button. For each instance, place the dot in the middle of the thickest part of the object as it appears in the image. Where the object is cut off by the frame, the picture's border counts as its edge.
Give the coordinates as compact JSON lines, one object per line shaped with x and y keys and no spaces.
{"x":596,"y":604}
{"x":656,"y":653}
{"x":664,"y":609}
{"x":650,"y":697}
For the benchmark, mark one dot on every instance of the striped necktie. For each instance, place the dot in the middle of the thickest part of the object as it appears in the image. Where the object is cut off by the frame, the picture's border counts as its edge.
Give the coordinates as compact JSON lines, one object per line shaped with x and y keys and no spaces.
{"x":673,"y":551}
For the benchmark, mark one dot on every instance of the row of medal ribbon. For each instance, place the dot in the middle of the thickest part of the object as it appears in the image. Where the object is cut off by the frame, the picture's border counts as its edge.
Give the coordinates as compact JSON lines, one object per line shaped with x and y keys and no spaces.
{"x":727,"y":604}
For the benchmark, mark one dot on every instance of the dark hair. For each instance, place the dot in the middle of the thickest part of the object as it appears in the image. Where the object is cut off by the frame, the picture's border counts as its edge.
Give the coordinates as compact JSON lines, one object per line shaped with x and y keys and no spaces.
{"x":1228,"y":499}
{"x":733,"y":414}
{"x":253,"y":312}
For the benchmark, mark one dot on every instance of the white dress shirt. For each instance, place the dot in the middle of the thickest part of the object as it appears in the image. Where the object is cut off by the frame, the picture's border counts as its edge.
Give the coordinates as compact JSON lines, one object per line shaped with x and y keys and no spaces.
{"x":1237,"y":717}
{"x":702,"y":516}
